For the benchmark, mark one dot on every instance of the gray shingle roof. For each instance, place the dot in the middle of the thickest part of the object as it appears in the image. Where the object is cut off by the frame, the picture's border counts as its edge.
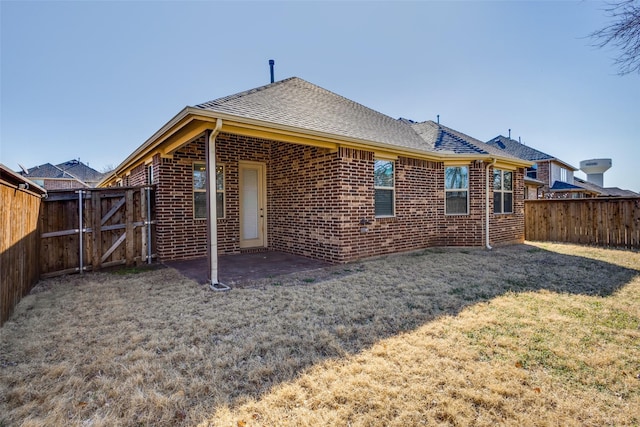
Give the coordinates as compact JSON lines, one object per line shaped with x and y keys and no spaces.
{"x":73,"y":169}
{"x":444,"y":139}
{"x":298,"y":103}
{"x":519,"y":150}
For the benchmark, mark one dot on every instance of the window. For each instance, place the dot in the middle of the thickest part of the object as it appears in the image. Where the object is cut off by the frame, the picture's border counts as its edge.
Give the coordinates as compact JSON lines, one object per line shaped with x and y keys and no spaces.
{"x":502,"y":191}
{"x":383,"y":183}
{"x":456,"y":190}
{"x":563,"y":175}
{"x":200,"y":191}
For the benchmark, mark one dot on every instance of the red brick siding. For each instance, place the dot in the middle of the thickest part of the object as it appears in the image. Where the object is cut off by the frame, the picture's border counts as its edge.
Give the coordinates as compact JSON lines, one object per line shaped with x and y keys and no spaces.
{"x":303,"y":194}
{"x":62,"y":184}
{"x":509,"y":228}
{"x":543,"y":175}
{"x":316,"y":199}
{"x":138,"y":176}
{"x":178,"y":234}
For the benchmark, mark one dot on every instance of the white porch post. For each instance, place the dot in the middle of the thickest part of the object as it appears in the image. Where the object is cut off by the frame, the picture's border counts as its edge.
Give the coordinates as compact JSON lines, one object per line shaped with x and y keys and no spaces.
{"x":212,"y":238}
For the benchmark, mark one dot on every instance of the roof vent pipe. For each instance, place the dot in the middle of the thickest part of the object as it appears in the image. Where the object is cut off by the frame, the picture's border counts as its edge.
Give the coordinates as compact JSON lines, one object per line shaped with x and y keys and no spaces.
{"x":271,"y":64}
{"x":509,"y":133}
{"x":438,"y":118}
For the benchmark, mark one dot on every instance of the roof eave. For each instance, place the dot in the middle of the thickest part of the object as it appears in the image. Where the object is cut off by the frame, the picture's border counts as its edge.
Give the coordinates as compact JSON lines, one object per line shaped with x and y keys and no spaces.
{"x":356,"y":142}
{"x":189,"y":114}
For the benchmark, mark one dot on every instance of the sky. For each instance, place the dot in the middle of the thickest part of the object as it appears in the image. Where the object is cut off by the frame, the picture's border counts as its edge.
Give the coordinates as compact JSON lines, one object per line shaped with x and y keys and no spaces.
{"x":95,"y":79}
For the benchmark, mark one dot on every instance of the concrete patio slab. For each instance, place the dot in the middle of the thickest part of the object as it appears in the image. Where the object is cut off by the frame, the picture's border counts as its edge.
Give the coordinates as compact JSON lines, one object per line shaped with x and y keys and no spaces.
{"x":234,"y":269}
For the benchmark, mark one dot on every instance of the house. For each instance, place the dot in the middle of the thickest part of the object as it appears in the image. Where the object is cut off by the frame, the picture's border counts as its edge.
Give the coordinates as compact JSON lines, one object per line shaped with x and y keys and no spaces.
{"x":67,"y":175}
{"x":552,"y":178}
{"x":303,"y":170}
{"x":549,"y":177}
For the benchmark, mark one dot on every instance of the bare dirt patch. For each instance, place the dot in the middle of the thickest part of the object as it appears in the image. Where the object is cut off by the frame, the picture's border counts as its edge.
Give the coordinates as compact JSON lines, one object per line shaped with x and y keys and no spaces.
{"x":528,"y":334}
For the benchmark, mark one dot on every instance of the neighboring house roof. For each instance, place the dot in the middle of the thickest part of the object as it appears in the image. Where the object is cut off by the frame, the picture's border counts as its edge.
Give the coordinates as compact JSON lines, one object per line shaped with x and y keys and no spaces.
{"x":604,"y":191}
{"x":565,"y":186}
{"x":522,"y":151}
{"x":47,"y":170}
{"x":72,"y":169}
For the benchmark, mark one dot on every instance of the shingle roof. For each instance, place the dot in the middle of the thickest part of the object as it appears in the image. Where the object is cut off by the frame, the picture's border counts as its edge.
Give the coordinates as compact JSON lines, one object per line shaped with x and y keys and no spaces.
{"x":444,"y":139}
{"x":73,"y":169}
{"x":519,"y":150}
{"x":565,"y":186}
{"x":46,"y":170}
{"x":298,"y":103}
{"x":81,"y":171}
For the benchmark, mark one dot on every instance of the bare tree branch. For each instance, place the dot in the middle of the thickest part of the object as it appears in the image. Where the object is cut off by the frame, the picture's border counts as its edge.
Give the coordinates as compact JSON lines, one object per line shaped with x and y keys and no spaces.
{"x":622,"y":33}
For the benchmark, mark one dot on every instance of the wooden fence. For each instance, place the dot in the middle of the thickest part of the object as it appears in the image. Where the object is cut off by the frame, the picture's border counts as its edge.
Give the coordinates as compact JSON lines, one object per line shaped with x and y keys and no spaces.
{"x":96,"y":228}
{"x":19,"y":240}
{"x":611,"y":222}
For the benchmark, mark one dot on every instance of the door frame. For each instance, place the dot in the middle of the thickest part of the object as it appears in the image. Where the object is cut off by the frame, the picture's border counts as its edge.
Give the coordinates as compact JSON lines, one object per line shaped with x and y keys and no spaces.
{"x":260,"y":242}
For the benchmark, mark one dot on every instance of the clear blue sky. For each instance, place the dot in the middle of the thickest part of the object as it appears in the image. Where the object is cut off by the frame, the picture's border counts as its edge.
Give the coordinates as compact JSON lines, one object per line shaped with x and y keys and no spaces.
{"x":94,"y":80}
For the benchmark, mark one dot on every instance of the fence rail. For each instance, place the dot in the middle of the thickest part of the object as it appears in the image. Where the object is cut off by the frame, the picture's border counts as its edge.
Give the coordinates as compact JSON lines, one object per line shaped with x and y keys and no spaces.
{"x":609,"y":222}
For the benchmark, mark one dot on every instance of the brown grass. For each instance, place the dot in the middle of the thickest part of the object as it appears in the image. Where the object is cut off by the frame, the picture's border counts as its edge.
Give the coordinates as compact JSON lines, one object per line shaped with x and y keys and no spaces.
{"x":537,"y":334}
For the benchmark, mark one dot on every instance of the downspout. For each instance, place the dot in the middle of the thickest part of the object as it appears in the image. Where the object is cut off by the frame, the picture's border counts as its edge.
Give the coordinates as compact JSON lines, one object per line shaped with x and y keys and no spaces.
{"x":212,"y":238}
{"x":487,"y":213}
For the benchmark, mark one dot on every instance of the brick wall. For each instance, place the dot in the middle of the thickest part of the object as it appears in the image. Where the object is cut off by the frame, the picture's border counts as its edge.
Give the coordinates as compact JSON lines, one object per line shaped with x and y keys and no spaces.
{"x":138,"y":176}
{"x":543,"y":175}
{"x":62,"y":184}
{"x":509,"y":228}
{"x":303,"y":199}
{"x":316,"y":199}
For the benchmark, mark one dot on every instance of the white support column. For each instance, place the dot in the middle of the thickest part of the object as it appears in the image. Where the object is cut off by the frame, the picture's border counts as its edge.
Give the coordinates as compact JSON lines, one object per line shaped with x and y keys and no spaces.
{"x":212,"y":238}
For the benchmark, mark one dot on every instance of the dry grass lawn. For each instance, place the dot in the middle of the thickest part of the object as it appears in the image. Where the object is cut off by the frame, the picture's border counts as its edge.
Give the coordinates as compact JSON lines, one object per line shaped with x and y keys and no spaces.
{"x":536,"y":334}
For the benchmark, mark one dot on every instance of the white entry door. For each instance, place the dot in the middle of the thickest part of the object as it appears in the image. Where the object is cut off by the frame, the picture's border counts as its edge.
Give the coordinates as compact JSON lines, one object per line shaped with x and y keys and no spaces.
{"x":253,"y":209}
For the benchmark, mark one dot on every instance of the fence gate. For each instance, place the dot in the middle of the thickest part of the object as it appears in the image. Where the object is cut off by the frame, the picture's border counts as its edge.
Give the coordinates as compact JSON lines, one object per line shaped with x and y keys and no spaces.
{"x":95,"y":228}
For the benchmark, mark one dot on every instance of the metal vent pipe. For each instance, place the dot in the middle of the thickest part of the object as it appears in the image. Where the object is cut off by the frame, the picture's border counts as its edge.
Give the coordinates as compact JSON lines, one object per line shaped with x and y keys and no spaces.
{"x":271,"y":64}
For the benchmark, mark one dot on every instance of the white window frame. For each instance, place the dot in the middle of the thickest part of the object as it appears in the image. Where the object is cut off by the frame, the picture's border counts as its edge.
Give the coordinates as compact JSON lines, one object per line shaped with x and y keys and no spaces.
{"x":391,"y":188}
{"x":456,"y":190}
{"x":502,"y":191}
{"x":564,"y":174}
